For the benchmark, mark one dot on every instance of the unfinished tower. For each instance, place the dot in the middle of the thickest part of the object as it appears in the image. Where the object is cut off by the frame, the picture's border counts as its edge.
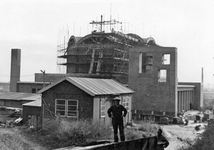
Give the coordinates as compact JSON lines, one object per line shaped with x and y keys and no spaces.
{"x":100,"y":54}
{"x":15,"y":69}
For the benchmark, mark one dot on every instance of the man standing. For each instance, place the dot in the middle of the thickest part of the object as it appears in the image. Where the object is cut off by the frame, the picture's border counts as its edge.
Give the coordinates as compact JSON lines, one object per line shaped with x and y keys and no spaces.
{"x":162,"y":142}
{"x":117,"y":112}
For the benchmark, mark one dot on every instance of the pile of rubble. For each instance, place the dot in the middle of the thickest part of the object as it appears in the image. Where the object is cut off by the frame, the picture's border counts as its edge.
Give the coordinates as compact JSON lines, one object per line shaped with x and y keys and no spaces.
{"x":11,"y":123}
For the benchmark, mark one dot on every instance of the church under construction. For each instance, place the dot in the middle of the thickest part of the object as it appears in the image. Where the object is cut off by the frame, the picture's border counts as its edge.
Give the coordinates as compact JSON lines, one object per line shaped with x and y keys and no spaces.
{"x":101,"y":54}
{"x":139,"y":63}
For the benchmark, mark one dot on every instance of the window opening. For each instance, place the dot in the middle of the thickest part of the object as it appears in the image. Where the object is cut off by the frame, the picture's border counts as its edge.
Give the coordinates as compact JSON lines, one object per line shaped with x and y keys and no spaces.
{"x":67,"y":108}
{"x":60,"y":107}
{"x":140,"y":63}
{"x":33,"y":90}
{"x":162,"y":75}
{"x":166,"y":59}
{"x":126,"y":102}
{"x":145,"y":62}
{"x":72,"y":107}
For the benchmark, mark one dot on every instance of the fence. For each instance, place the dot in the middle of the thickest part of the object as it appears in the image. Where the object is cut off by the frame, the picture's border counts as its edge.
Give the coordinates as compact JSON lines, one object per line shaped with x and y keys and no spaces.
{"x":138,"y":144}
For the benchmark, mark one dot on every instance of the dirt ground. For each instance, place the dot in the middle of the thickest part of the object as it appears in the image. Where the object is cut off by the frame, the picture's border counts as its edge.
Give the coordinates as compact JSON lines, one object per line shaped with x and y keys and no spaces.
{"x":178,"y":135}
{"x":13,"y":139}
{"x":182,"y":135}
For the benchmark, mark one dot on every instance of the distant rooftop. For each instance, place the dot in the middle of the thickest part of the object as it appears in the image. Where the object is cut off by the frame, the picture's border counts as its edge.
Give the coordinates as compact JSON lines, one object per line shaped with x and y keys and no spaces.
{"x":4,"y":86}
{"x":19,"y":96}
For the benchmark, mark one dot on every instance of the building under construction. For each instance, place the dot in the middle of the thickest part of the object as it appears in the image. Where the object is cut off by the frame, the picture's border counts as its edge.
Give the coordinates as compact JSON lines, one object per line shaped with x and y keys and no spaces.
{"x":147,"y":68}
{"x":100,"y":54}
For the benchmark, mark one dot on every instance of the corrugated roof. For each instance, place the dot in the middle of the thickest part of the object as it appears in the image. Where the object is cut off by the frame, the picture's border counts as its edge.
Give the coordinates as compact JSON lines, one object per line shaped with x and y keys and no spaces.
{"x":186,"y":86}
{"x":36,"y":103}
{"x":18,"y":96}
{"x":32,"y":97}
{"x":32,"y":82}
{"x":94,"y":86}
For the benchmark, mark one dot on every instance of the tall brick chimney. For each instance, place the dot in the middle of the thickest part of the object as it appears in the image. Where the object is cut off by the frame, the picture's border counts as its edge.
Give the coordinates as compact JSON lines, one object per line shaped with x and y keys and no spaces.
{"x":15,"y":69}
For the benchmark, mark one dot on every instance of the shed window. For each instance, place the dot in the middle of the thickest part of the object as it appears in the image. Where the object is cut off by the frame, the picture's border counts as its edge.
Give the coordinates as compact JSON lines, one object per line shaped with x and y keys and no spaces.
{"x":67,"y":108}
{"x":126,"y":102}
{"x":102,"y":107}
{"x":72,"y":108}
{"x":60,"y":107}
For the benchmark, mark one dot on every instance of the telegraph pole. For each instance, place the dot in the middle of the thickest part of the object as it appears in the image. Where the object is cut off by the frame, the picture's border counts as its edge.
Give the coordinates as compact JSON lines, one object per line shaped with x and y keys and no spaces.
{"x":43,"y":73}
{"x":43,"y":110}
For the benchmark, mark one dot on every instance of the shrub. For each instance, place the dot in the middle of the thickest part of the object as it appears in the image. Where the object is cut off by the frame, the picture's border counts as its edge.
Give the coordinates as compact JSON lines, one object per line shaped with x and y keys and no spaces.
{"x":148,"y":127}
{"x":132,"y":134}
{"x":142,"y":129}
{"x":76,"y":132}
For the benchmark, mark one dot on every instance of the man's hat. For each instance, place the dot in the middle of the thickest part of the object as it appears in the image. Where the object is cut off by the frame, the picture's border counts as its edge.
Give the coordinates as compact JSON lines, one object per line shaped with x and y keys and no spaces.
{"x":116,"y":99}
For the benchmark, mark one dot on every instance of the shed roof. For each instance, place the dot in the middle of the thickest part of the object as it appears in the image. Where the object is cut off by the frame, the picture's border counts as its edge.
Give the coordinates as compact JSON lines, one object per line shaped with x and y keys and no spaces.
{"x":94,"y":86}
{"x":36,"y":103}
{"x":18,"y":96}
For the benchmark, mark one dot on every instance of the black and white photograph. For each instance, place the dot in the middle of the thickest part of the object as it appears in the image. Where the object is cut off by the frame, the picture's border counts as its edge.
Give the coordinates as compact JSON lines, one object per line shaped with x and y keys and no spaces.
{"x":106,"y":75}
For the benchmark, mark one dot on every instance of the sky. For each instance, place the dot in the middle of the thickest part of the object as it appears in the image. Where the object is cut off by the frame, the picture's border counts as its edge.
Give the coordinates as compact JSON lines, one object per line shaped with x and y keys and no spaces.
{"x":37,"y":27}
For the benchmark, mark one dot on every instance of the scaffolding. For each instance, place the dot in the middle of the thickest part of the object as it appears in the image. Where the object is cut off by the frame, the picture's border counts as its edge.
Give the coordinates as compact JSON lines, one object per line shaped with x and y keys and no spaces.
{"x":98,"y":54}
{"x":62,"y":44}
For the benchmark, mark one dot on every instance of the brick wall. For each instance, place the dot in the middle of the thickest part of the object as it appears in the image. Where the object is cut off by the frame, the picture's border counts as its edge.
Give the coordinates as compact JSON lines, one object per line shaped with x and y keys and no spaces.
{"x":151,"y":95}
{"x":29,"y":87}
{"x":66,"y":90}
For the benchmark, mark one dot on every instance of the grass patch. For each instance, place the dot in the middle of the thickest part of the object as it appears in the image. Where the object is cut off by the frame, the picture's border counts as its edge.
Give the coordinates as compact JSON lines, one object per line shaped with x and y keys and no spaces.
{"x":12,"y":141}
{"x":64,"y":133}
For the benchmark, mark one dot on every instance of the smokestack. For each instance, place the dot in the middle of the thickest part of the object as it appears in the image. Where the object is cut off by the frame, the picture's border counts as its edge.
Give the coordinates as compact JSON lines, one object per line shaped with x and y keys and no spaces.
{"x":15,"y":69}
{"x":202,"y":75}
{"x":202,"y":87}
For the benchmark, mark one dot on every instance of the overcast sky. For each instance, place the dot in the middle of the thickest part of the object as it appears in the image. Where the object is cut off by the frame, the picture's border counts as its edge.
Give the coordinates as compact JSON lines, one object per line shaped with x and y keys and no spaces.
{"x":37,"y":27}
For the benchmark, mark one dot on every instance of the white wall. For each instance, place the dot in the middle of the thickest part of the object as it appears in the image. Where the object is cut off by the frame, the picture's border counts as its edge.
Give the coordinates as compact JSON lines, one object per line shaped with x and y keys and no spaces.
{"x":97,"y":108}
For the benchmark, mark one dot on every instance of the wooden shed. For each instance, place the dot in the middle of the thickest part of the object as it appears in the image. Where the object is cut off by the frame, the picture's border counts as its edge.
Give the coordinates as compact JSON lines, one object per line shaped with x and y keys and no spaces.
{"x":84,"y":98}
{"x":32,"y":112}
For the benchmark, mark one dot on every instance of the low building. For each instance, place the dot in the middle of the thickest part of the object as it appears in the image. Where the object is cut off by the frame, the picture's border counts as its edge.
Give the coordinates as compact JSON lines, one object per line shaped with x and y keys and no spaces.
{"x":4,"y":87}
{"x":190,"y":96}
{"x":32,"y":112}
{"x":15,"y":99}
{"x":78,"y":98}
{"x":30,"y":87}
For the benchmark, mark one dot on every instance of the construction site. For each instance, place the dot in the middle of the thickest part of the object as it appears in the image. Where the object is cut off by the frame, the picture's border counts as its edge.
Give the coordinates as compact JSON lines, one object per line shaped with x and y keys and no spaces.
{"x":100,"y":54}
{"x":97,"y":67}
